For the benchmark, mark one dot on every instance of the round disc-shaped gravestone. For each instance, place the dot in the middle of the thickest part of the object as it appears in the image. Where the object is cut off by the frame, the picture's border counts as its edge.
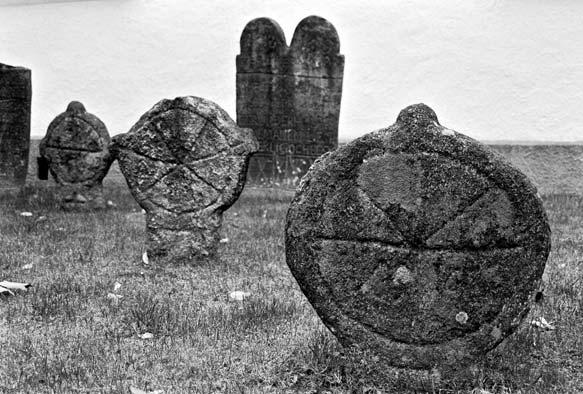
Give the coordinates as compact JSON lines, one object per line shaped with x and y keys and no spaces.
{"x":76,"y":148}
{"x":418,"y":243}
{"x":185,"y":162}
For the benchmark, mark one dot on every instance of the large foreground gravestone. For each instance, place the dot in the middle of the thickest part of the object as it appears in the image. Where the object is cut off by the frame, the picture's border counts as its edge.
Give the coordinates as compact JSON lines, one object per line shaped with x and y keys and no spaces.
{"x":76,"y":148}
{"x":185,"y":162}
{"x":417,"y":243}
{"x":15,"y":98}
{"x":289,"y":96}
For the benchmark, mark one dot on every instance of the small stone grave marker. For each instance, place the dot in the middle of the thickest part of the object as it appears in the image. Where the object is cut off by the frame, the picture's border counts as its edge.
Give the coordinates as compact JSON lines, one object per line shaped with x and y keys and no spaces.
{"x":185,"y":162}
{"x":76,"y":149}
{"x":418,"y":243}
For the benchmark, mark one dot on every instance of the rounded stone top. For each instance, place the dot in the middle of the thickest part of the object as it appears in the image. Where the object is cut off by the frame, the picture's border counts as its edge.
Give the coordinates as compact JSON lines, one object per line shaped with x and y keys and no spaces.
{"x":76,"y":107}
{"x":316,"y":34}
{"x":78,"y":130}
{"x":262,"y":35}
{"x":77,"y":147}
{"x":313,"y":52}
{"x":185,"y":155}
{"x":420,"y":115}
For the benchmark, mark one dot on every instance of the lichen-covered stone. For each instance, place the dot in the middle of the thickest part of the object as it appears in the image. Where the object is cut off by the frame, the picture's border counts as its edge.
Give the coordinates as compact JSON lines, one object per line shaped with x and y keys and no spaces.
{"x":76,"y":147}
{"x":417,"y":243}
{"x":185,"y":162}
{"x":15,"y":97}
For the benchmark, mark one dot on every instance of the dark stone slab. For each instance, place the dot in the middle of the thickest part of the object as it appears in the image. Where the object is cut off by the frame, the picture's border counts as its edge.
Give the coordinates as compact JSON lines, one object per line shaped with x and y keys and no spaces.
{"x":76,"y":148}
{"x":418,"y":243}
{"x":15,"y":97}
{"x":289,"y":96}
{"x":185,"y":162}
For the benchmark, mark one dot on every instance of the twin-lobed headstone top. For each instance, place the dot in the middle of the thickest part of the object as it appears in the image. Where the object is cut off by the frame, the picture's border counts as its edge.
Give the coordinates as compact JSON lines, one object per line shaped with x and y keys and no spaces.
{"x":417,"y":243}
{"x":15,"y":99}
{"x":289,"y":96}
{"x":185,"y":163}
{"x":76,"y":148}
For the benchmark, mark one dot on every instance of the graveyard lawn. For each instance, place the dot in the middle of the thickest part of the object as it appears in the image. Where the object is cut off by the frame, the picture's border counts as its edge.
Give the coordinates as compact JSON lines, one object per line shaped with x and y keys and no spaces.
{"x":98,"y":319}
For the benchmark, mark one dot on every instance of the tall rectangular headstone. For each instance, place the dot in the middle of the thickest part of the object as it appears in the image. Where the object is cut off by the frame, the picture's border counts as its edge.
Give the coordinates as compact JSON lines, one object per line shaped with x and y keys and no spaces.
{"x":15,"y":97}
{"x":289,"y":96}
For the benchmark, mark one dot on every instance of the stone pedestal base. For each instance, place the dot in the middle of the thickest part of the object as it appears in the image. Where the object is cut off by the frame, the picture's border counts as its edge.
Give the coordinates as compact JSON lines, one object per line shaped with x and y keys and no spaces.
{"x":190,"y":238}
{"x":81,"y":198}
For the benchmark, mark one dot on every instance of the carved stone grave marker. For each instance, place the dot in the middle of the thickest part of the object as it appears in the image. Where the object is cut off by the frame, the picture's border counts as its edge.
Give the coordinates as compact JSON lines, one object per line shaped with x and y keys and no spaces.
{"x":289,"y":96}
{"x":76,"y":148}
{"x":418,"y":243}
{"x":15,"y":98}
{"x":185,"y":162}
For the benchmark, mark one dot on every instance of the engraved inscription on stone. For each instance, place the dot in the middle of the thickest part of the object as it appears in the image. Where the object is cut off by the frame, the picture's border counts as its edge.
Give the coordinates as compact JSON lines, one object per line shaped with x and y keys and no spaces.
{"x":289,"y":96}
{"x":15,"y":98}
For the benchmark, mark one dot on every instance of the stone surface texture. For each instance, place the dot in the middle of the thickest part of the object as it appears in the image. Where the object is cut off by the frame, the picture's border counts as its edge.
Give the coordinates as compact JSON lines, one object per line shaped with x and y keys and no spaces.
{"x":289,"y":96}
{"x":76,"y":147}
{"x":418,"y":243}
{"x":15,"y":98}
{"x":185,"y":162}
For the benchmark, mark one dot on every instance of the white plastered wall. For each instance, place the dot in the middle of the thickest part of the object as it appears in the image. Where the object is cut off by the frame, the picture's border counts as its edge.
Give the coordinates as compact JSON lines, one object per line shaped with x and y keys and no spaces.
{"x":493,"y":69}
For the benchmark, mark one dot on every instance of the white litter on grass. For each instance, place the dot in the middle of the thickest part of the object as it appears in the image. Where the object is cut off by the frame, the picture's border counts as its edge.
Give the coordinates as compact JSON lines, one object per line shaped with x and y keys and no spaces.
{"x":146,"y":335}
{"x":114,"y":298}
{"x":27,"y":266}
{"x":239,"y":295}
{"x":14,"y":285}
{"x":224,"y":240}
{"x":26,"y":214}
{"x":5,"y":291}
{"x":116,"y":286}
{"x":111,"y":204}
{"x":41,"y":218}
{"x":461,"y":317}
{"x":79,"y":198}
{"x":134,"y":390}
{"x":145,"y":259}
{"x":480,"y":391}
{"x":143,"y":211}
{"x":542,"y":323}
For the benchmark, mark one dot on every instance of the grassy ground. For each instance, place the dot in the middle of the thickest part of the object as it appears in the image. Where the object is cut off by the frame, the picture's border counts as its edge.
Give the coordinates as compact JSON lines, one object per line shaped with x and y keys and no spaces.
{"x":67,"y":335}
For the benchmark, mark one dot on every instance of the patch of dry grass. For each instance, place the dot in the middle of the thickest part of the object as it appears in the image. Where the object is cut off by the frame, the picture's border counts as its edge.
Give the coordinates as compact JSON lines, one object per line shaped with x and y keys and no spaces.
{"x":65,"y":335}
